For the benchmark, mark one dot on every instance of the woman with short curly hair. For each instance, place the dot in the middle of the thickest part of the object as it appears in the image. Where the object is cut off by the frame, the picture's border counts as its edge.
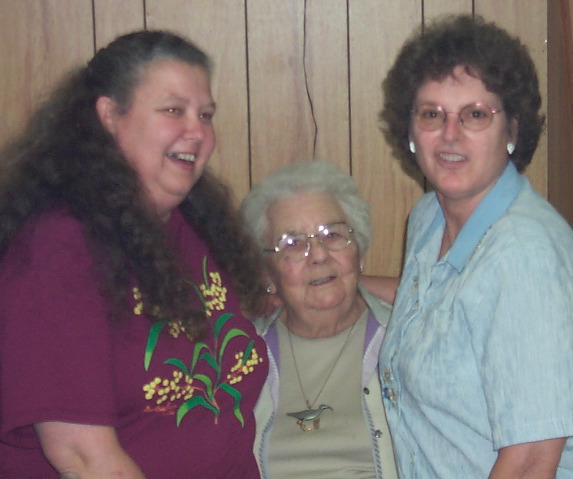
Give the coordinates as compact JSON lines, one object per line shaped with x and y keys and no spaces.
{"x":476,"y":363}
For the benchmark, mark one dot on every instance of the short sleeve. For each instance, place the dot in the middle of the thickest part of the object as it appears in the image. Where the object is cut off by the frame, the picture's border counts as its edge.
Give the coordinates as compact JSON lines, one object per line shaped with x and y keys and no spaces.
{"x":54,"y":348}
{"x":528,"y":352}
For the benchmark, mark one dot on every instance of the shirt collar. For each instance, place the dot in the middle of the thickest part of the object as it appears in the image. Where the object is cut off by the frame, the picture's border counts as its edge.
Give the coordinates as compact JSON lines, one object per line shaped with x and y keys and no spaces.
{"x":489,"y":210}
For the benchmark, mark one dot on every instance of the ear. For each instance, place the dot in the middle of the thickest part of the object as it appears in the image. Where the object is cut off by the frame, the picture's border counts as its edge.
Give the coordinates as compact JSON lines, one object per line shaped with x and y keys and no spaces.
{"x":107,"y":113}
{"x":268,"y":280}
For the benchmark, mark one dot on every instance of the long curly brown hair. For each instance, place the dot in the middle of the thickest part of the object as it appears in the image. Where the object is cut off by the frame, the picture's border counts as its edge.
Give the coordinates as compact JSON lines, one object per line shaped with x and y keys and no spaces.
{"x":488,"y":52}
{"x":66,"y":158}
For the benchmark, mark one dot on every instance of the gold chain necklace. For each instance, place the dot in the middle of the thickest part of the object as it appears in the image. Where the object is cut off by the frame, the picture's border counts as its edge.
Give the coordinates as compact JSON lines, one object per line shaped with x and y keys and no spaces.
{"x":311,"y":414}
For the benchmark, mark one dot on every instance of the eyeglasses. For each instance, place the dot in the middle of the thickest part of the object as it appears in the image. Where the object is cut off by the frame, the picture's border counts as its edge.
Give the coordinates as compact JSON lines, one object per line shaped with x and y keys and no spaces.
{"x":475,"y":116}
{"x":294,"y":247}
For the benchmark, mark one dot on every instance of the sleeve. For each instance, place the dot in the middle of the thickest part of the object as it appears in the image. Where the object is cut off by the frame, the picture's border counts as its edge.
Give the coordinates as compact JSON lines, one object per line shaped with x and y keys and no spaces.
{"x":528,"y":346}
{"x":55,"y":351}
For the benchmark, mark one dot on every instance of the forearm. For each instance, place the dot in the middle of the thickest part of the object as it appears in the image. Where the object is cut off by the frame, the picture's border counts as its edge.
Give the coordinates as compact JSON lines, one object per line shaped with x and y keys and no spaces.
{"x":86,"y":452}
{"x":534,"y":460}
{"x":384,"y":287}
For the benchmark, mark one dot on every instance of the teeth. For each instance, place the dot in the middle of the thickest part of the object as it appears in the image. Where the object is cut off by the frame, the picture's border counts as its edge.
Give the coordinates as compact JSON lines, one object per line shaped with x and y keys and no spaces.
{"x":320,"y":281}
{"x":182,"y":156}
{"x":451,"y":157}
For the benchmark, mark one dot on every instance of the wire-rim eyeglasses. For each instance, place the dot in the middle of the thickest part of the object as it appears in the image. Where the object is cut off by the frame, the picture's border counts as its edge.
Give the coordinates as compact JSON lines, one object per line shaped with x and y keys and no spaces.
{"x":294,"y":247}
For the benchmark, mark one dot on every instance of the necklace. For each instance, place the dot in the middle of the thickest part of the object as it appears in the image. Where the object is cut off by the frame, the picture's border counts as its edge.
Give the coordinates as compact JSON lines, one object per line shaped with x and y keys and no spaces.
{"x":311,"y":413}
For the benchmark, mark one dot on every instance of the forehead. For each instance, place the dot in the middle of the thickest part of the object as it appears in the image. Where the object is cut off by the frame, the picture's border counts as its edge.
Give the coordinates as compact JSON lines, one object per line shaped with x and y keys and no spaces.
{"x":456,"y":90}
{"x":303,"y":213}
{"x":173,"y":77}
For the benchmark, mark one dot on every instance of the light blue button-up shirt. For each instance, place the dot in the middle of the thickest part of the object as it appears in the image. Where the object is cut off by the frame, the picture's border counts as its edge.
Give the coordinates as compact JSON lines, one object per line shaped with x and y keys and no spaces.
{"x":479,"y":351}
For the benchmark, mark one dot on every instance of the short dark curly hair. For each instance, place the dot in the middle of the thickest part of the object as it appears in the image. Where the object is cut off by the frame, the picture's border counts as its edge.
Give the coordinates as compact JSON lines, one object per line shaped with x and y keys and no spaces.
{"x":487,"y":52}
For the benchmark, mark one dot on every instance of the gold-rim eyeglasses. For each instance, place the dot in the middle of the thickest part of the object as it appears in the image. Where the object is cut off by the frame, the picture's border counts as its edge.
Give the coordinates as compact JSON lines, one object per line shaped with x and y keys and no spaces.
{"x":475,"y":116}
{"x":294,"y":247}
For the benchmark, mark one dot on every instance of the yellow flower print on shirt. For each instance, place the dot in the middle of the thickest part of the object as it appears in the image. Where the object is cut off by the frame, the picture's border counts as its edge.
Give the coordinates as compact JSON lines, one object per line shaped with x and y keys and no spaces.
{"x":216,"y":292}
{"x":188,"y":389}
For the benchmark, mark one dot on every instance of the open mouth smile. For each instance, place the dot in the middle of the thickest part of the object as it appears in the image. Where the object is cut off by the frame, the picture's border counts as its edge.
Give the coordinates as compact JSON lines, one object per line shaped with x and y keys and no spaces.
{"x":188,"y":157}
{"x":318,"y":282}
{"x":451,"y":157}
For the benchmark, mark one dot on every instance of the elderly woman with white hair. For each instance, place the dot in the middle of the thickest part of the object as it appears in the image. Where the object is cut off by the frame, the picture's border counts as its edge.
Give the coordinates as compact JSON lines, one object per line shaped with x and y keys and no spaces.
{"x":320,"y":414}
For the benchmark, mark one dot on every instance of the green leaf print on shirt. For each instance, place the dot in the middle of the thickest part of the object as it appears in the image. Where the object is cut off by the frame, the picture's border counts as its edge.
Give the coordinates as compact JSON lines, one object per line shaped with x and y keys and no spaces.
{"x":187,"y":389}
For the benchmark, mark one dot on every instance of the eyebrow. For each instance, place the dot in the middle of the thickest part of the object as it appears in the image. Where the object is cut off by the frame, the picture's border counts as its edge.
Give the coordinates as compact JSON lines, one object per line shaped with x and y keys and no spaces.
{"x":328,"y":223}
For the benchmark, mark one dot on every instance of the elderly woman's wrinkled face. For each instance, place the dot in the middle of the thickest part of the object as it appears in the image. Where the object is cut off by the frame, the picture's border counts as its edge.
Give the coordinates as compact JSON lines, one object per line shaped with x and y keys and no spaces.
{"x":167,"y":134}
{"x":323,"y":280}
{"x":463,"y":164}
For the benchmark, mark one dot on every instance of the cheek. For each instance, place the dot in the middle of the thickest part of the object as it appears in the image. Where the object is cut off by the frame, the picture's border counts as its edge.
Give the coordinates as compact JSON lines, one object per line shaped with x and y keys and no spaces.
{"x":348,"y":265}
{"x":287,"y":275}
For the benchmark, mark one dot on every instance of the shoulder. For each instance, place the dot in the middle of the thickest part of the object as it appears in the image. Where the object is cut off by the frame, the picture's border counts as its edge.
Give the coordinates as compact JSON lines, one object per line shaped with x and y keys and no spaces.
{"x":51,"y":236}
{"x":380,"y":309}
{"x":58,"y":223}
{"x":263,"y":323}
{"x":532,"y":227}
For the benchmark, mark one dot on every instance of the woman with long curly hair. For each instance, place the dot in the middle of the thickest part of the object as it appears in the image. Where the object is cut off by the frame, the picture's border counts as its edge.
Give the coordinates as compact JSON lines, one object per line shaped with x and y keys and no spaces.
{"x":123,"y":274}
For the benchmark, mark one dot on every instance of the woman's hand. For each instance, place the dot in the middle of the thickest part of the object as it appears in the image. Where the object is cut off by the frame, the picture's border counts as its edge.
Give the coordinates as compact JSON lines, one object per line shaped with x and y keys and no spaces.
{"x":535,"y":460}
{"x":79,"y":451}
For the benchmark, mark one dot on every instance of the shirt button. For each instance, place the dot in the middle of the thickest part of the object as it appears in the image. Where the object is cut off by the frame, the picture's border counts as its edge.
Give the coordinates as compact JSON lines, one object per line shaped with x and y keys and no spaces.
{"x":366,"y":391}
{"x":378,"y":434}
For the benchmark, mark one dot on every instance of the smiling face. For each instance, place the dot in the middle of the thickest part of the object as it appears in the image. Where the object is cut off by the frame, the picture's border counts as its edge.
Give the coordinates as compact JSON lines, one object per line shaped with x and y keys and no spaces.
{"x":463,"y":165}
{"x":325,"y":282}
{"x":167,"y":134}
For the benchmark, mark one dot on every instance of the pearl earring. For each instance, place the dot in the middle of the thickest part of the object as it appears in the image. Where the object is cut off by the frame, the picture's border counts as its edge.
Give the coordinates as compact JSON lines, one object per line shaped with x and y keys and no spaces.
{"x":412,"y":146}
{"x":510,"y":148}
{"x":269,"y":289}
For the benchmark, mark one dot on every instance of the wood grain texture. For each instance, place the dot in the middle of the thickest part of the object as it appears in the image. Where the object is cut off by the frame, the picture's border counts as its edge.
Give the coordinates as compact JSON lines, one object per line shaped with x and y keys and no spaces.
{"x":39,"y":42}
{"x":282,"y":127}
{"x":377,"y":31}
{"x":113,"y":18}
{"x":293,"y":79}
{"x":439,"y":8}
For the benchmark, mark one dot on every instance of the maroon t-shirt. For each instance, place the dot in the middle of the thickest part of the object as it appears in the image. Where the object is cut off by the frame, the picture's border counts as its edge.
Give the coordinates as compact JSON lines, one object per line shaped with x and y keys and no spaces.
{"x":181,"y":409}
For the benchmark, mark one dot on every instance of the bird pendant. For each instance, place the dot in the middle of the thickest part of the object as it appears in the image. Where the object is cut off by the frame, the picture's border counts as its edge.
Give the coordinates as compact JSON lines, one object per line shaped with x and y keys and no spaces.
{"x":305,"y":417}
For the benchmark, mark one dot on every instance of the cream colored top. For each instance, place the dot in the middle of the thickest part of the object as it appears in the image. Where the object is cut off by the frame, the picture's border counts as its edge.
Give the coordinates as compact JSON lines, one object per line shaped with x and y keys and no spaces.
{"x":341,"y":448}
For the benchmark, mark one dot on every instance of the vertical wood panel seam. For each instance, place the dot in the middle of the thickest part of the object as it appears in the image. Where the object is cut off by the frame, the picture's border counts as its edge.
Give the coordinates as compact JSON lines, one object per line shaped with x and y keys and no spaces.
{"x":94,"y":34}
{"x":568,"y":47}
{"x":248,"y":87}
{"x":348,"y":88}
{"x":305,"y":74}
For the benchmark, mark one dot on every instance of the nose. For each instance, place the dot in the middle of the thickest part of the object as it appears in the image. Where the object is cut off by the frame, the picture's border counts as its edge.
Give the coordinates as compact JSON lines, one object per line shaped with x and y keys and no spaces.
{"x":452,"y":127}
{"x":316,"y":250}
{"x":194,"y":128}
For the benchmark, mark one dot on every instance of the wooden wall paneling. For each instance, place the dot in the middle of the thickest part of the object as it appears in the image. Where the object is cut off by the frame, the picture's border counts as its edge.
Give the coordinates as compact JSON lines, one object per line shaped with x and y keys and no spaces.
{"x":218,"y":27}
{"x":530,"y":25}
{"x":560,"y":106}
{"x":113,"y":18}
{"x":326,"y":62}
{"x":282,"y":129}
{"x":39,"y":42}
{"x":377,"y":31}
{"x":438,"y":8}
